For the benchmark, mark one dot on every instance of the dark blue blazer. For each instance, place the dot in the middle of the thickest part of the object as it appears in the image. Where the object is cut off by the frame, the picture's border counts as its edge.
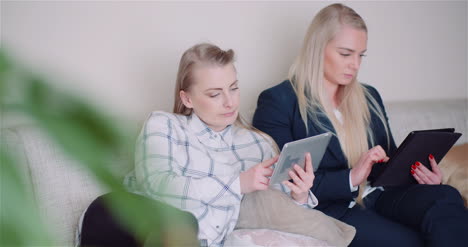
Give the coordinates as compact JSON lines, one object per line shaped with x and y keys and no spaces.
{"x":277,"y":114}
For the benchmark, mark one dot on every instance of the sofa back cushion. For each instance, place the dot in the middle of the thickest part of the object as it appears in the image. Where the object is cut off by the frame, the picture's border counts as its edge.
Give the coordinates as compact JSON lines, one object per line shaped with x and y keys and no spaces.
{"x":405,"y":117}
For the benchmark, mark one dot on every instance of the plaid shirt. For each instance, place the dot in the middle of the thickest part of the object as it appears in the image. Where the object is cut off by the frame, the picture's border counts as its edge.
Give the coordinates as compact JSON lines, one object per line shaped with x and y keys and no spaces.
{"x":181,"y":161}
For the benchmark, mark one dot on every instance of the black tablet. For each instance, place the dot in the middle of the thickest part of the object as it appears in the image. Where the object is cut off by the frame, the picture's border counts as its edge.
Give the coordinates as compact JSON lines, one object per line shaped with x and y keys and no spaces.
{"x":416,"y":147}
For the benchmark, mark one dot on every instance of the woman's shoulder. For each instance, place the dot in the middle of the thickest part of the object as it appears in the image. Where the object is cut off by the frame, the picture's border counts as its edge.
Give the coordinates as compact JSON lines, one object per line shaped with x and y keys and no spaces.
{"x":372,"y":91}
{"x":282,"y":92}
{"x":283,"y":87}
{"x":370,"y":88}
{"x":162,"y":115}
{"x":161,"y":120}
{"x":246,"y":135}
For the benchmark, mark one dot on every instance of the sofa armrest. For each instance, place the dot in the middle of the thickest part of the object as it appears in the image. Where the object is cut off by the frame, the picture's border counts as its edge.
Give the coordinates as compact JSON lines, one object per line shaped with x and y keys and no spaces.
{"x":61,"y":188}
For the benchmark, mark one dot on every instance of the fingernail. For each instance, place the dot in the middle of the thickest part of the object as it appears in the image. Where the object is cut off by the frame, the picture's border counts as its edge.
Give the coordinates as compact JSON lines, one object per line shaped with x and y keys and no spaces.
{"x":418,"y":163}
{"x":431,"y":156}
{"x":412,"y":171}
{"x":413,"y":167}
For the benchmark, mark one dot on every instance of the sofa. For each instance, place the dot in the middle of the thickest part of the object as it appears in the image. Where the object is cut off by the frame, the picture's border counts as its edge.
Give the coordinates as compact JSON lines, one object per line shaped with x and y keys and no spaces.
{"x":62,"y":189}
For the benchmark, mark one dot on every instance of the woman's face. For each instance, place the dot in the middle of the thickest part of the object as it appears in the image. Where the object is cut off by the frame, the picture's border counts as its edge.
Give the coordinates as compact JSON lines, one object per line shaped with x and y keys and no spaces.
{"x":214,"y":95}
{"x":343,"y":55}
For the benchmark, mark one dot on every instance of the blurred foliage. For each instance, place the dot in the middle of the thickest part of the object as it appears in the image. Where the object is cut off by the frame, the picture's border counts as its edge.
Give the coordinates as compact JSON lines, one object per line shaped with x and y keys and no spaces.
{"x":86,"y":135}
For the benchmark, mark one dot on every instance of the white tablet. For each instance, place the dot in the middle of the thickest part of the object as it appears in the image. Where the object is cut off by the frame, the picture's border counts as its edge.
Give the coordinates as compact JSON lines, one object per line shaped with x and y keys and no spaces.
{"x":294,"y":153}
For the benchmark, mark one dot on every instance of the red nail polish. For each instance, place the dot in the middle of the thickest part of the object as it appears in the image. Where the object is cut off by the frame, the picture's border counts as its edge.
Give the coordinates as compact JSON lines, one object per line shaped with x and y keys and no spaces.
{"x":413,"y":167}
{"x":412,"y":171}
{"x":418,"y":163}
{"x":431,"y":156}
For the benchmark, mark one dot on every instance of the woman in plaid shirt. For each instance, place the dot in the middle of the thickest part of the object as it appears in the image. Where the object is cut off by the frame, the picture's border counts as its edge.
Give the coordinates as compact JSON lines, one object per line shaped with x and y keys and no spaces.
{"x":203,"y":158}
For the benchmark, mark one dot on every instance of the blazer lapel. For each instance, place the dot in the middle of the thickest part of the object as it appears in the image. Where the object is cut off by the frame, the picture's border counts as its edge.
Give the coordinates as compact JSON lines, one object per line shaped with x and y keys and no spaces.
{"x":334,"y":146}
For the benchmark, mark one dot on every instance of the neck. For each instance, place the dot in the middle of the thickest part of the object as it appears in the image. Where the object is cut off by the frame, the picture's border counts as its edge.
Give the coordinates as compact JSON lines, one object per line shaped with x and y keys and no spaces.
{"x":332,"y":93}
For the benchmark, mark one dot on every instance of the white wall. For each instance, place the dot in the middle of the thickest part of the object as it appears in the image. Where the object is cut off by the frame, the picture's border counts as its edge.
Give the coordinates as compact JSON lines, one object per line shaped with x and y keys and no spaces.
{"x":124,"y":55}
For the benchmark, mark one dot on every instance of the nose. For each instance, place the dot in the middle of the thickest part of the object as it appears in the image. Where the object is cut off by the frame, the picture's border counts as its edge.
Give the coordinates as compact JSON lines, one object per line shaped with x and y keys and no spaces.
{"x":227,"y":101}
{"x":355,"y":62}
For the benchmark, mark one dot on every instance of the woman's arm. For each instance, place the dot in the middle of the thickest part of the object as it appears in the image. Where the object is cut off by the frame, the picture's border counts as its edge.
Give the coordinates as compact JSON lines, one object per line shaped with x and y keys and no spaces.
{"x":272,"y":117}
{"x":275,"y":116}
{"x":381,"y":137}
{"x":389,"y":146}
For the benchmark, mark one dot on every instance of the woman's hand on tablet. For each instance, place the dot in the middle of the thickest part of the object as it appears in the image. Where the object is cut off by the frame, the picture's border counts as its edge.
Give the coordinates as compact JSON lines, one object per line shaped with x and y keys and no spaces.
{"x":256,"y":177}
{"x":424,"y":175}
{"x":303,"y":180}
{"x":362,"y":169}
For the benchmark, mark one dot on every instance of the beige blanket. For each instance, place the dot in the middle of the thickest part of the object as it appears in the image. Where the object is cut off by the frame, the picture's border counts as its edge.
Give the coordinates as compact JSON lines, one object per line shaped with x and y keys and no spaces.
{"x":272,"y":209}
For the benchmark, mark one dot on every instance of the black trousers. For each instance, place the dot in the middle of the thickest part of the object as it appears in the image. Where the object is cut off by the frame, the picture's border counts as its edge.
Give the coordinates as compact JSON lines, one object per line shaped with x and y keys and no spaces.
{"x":101,"y":228}
{"x":416,"y":215}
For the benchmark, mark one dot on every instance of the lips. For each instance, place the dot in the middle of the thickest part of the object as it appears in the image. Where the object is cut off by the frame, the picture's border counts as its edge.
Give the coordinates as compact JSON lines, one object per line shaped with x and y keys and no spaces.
{"x":349,"y":76}
{"x":229,"y":114}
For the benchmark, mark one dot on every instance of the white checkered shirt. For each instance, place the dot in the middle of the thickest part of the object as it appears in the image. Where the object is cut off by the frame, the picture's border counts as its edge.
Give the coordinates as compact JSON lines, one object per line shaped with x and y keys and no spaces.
{"x":181,"y":161}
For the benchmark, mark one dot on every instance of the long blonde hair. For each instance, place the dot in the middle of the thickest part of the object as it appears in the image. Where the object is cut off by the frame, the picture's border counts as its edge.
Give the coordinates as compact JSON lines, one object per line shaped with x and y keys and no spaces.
{"x":206,"y":54}
{"x":307,"y":78}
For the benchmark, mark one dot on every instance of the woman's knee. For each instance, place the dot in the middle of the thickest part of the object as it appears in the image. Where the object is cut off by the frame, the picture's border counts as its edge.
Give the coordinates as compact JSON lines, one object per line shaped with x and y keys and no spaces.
{"x":373,"y":229}
{"x":387,"y":233}
{"x":431,"y":194}
{"x":448,"y":192}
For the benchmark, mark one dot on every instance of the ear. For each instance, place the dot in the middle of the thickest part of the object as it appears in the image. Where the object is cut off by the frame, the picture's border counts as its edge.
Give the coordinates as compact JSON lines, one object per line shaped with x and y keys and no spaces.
{"x":186,"y":100}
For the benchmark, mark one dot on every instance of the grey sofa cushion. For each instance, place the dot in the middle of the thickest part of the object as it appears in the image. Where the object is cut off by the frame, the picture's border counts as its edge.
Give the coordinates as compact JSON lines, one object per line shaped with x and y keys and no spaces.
{"x":405,"y":117}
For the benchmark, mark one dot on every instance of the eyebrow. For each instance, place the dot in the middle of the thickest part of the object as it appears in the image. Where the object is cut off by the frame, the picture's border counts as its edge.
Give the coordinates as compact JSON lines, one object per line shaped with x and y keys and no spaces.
{"x":218,"y":88}
{"x":350,"y":50}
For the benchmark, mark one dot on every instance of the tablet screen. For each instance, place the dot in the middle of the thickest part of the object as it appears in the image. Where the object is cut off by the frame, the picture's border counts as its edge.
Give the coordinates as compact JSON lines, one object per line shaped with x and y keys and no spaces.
{"x":294,"y":153}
